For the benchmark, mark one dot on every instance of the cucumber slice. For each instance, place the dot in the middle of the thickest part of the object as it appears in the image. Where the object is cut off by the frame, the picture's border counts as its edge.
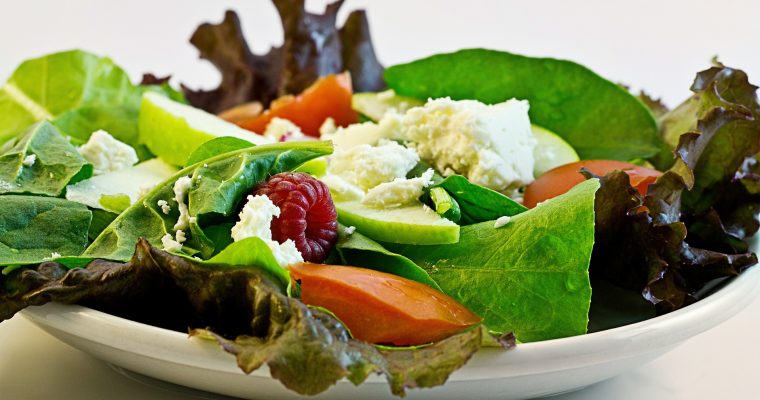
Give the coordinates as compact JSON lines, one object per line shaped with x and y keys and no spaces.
{"x":414,"y":224}
{"x":551,"y":151}
{"x":375,"y":105}
{"x":173,"y":130}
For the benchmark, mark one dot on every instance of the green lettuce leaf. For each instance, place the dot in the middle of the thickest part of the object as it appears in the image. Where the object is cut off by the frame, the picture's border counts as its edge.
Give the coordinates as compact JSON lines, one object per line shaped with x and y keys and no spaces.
{"x":600,"y":119}
{"x":312,"y":47}
{"x":79,"y":92}
{"x":218,"y":185}
{"x":245,"y":312}
{"x":32,"y":228}
{"x":251,"y":251}
{"x":529,"y":277}
{"x":40,"y":162}
{"x":360,"y":251}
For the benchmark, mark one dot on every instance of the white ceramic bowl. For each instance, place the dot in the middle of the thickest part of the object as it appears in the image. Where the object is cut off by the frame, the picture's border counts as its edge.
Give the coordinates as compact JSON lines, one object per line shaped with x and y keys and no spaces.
{"x":530,"y":370}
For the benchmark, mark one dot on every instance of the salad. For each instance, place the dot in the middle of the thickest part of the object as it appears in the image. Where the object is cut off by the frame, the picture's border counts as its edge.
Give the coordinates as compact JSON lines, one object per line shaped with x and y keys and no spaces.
{"x":332,"y":218}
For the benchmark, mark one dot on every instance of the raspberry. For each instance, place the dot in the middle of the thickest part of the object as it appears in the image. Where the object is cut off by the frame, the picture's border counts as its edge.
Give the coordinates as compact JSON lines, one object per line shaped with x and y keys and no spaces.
{"x":307,"y":213}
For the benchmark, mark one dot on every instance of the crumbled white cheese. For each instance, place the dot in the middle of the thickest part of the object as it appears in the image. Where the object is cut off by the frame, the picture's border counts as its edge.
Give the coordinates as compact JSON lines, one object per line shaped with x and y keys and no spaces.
{"x":255,"y":219}
{"x":399,"y":192}
{"x":29,"y":160}
{"x":165,"y":207}
{"x":368,"y":166}
{"x":349,"y":230}
{"x":181,"y":187}
{"x":280,"y":129}
{"x":492,"y":145}
{"x":501,"y":221}
{"x":53,"y":256}
{"x":107,"y":154}
{"x":365,"y":133}
{"x":327,"y":127}
{"x":169,"y":244}
{"x":180,"y":236}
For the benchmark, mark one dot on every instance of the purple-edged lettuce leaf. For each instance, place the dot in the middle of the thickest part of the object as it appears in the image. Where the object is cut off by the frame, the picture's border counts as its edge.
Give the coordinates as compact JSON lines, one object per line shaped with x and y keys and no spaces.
{"x":313,"y":46}
{"x":246,"y":312}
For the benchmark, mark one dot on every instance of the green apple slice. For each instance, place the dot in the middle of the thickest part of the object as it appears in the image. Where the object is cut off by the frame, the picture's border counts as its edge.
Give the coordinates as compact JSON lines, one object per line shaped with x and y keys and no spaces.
{"x":551,"y":151}
{"x":316,"y":167}
{"x":375,"y":105}
{"x":414,"y":224}
{"x":173,"y":130}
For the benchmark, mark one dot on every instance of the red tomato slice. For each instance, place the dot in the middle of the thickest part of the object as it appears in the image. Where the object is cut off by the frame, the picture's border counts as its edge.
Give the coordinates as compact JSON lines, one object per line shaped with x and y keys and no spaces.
{"x":382,"y":308}
{"x":329,"y":96}
{"x":561,"y":179}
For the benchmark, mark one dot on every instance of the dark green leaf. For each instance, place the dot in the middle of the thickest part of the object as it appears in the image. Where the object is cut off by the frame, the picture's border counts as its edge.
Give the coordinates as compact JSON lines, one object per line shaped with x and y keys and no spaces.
{"x":600,"y":119}
{"x":529,"y":277}
{"x":54,"y":162}
{"x":360,"y":251}
{"x":32,"y":228}
{"x":215,"y":147}
{"x":477,"y":203}
{"x":100,"y":220}
{"x":305,"y":349}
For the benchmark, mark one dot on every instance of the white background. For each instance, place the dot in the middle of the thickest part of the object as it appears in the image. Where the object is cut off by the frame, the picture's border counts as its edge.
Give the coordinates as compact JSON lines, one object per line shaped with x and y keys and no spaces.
{"x":654,"y":45}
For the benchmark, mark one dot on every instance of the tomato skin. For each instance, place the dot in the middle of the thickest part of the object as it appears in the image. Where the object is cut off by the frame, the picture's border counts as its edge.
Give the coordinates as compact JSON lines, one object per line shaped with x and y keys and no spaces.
{"x":329,"y":96}
{"x":382,"y":308}
{"x":561,"y":179}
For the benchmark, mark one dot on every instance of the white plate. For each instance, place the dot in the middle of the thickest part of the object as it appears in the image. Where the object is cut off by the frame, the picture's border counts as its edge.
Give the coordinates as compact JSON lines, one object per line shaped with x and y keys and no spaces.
{"x":530,"y":370}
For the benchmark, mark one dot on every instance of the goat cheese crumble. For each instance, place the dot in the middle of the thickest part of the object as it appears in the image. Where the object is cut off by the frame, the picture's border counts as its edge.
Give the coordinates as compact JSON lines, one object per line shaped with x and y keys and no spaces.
{"x":181,"y":187}
{"x":492,"y":145}
{"x":399,"y":192}
{"x":255,"y":220}
{"x":107,"y":154}
{"x":29,"y":160}
{"x":367,"y":166}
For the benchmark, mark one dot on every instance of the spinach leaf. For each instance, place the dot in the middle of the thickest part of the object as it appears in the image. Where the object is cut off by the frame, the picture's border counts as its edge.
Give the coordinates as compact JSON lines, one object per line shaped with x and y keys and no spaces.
{"x":79,"y":92}
{"x":360,"y":251}
{"x":252,"y":252}
{"x":215,"y":147}
{"x":217,"y":186}
{"x":474,"y":203}
{"x":41,"y":161}
{"x":477,"y":203}
{"x":599,"y":118}
{"x":100,"y":220}
{"x":530,"y":276}
{"x":246,"y":313}
{"x":32,"y":228}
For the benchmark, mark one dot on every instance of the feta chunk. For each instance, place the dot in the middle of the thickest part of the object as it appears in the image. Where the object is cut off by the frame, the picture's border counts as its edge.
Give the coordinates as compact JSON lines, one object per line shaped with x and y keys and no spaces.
{"x":279,"y":129}
{"x":368,"y":166}
{"x":370,"y":133}
{"x":349,"y":230}
{"x":165,"y":207}
{"x":492,"y":145}
{"x":106,"y":154}
{"x":501,"y":221}
{"x":399,"y":192}
{"x":29,"y":160}
{"x":328,"y":127}
{"x":255,"y":219}
{"x":181,"y":187}
{"x":171,"y":245}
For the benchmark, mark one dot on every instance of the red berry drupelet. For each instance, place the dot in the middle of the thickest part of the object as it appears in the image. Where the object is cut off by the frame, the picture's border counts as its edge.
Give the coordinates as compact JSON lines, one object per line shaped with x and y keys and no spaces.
{"x":307,"y":213}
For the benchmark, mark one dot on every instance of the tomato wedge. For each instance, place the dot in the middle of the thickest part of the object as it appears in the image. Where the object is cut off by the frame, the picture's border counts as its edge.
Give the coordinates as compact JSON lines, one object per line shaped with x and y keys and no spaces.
{"x":382,"y":308}
{"x":328,"y":97}
{"x":561,"y":179}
